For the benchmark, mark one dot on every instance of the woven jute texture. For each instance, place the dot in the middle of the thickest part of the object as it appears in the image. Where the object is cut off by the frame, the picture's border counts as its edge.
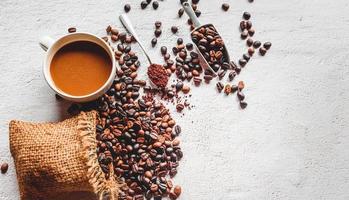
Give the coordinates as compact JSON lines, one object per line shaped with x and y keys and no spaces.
{"x":53,"y":158}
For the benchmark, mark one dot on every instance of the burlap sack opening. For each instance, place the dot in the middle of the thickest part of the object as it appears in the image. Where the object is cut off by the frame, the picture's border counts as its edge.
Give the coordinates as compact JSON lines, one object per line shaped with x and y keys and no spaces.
{"x":53,"y":158}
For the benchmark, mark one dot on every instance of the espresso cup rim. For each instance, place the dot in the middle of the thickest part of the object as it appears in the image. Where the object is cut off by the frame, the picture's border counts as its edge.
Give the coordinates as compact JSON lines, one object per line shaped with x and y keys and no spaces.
{"x":80,"y":36}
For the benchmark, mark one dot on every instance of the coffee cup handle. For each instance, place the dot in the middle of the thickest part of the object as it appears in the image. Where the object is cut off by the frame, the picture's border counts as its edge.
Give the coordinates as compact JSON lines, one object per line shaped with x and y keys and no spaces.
{"x":46,"y":42}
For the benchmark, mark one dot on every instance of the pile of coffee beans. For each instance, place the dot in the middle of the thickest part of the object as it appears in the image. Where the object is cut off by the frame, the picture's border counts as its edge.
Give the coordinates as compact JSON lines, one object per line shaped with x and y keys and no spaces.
{"x":136,"y":135}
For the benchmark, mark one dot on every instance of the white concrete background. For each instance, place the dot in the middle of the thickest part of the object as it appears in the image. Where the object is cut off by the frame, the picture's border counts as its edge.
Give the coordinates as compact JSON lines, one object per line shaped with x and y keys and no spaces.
{"x":290,"y":143}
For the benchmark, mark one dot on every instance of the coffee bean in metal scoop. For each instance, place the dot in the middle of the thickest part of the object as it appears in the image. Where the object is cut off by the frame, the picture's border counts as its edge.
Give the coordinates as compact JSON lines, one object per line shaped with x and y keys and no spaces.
{"x":225,"y":6}
{"x":246,"y":15}
{"x":72,"y":30}
{"x":257,"y":44}
{"x":262,"y":51}
{"x":267,"y":45}
{"x":155,"y":5}
{"x":174,"y":29}
{"x":4,"y":168}
{"x":127,"y":8}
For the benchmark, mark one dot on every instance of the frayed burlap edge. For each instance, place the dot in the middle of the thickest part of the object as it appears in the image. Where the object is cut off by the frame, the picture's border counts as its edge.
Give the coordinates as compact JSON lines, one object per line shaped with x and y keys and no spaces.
{"x":103,"y":188}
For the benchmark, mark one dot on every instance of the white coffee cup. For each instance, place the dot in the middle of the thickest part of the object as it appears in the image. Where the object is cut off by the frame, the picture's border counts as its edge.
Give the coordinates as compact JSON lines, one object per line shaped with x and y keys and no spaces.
{"x":53,"y":46}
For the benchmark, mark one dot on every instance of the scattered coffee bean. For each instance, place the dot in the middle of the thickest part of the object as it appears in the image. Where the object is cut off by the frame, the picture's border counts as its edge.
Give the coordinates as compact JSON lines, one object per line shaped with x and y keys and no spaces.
{"x":227,"y":89}
{"x":4,"y":168}
{"x":250,"y":51}
{"x":242,"y":62}
{"x":186,"y":89}
{"x":154,"y":41}
{"x":243,"y":104}
{"x":144,"y":4}
{"x":72,"y":30}
{"x":158,"y":24}
{"x":246,"y":57}
{"x":179,"y":41}
{"x":220,"y":86}
{"x":157,"y":32}
{"x":244,"y":34}
{"x":189,"y":46}
{"x":246,"y":15}
{"x":127,"y":8}
{"x":163,"y":50}
{"x":195,"y":1}
{"x":262,"y":51}
{"x":232,"y":75}
{"x":248,"y":25}
{"x":257,"y":44}
{"x":241,"y":96}
{"x":241,"y":85}
{"x":180,"y":12}
{"x":155,"y":5}
{"x":242,"y":25}
{"x":177,"y":190}
{"x":251,"y":32}
{"x":267,"y":45}
{"x":180,"y":107}
{"x":174,"y":29}
{"x":234,"y":88}
{"x":225,"y":6}
{"x":249,"y":42}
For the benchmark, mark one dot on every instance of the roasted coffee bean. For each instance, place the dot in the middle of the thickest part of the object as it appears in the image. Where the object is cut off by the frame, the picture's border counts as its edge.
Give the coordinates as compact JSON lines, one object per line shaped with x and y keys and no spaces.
{"x":179,"y":41}
{"x":180,"y":12}
{"x":251,"y":32}
{"x":244,"y":34}
{"x":243,"y":104}
{"x":4,"y":168}
{"x":195,"y":1}
{"x":179,"y":107}
{"x":225,"y":6}
{"x":127,"y":8}
{"x":246,"y":57}
{"x":220,"y":86}
{"x":246,"y":15}
{"x":267,"y":45}
{"x":241,"y":85}
{"x":186,"y":89}
{"x":163,"y":50}
{"x":242,"y":62}
{"x":174,"y":29}
{"x":114,"y":31}
{"x":177,"y":190}
{"x":197,"y":13}
{"x":248,"y":25}
{"x":257,"y":44}
{"x":189,"y":46}
{"x":157,"y":32}
{"x":155,"y":5}
{"x":154,"y":41}
{"x":179,"y":85}
{"x":249,"y":42}
{"x":72,"y":30}
{"x":221,"y":74}
{"x":178,"y":130}
{"x":144,"y":4}
{"x":108,"y":29}
{"x":262,"y":51}
{"x":234,"y":88}
{"x":197,"y":81}
{"x":242,"y":25}
{"x":232,"y":75}
{"x":114,"y":38}
{"x":241,"y":96}
{"x":158,"y":24}
{"x":250,"y":51}
{"x":227,"y":89}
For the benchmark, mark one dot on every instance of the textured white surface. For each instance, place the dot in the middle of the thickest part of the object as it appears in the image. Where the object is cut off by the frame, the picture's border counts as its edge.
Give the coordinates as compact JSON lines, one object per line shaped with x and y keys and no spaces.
{"x":290,"y":143}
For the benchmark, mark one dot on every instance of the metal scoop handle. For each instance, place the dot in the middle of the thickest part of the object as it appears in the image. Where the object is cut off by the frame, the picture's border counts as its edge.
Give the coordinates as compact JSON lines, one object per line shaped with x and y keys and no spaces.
{"x":190,"y":12}
{"x":129,"y":27}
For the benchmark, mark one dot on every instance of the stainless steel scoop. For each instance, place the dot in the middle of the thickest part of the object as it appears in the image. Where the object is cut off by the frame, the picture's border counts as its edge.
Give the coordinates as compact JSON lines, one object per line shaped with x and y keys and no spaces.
{"x":203,"y":62}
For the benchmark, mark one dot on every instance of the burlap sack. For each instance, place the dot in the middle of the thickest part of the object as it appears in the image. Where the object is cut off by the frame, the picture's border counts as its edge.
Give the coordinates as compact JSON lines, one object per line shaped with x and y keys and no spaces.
{"x":53,"y":158}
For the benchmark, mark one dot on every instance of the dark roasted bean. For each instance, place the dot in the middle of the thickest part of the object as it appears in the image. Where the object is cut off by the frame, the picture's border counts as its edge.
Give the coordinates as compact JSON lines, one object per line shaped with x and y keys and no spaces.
{"x":127,"y":8}
{"x":246,"y":15}
{"x":155,"y":5}
{"x":225,"y":6}
{"x":220,"y":86}
{"x":267,"y":45}
{"x":154,"y":41}
{"x":180,"y":12}
{"x":257,"y":44}
{"x":262,"y":51}
{"x":72,"y":30}
{"x":174,"y":29}
{"x":4,"y":168}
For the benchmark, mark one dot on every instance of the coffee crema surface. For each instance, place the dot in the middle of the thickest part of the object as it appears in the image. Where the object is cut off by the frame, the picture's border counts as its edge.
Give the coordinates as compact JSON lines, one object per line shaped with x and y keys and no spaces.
{"x":80,"y":68}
